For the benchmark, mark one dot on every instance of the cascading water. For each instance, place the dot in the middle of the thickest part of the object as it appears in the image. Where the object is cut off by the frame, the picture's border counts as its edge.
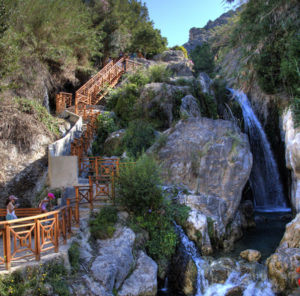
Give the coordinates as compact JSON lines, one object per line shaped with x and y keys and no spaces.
{"x":250,"y":288}
{"x":264,"y":179}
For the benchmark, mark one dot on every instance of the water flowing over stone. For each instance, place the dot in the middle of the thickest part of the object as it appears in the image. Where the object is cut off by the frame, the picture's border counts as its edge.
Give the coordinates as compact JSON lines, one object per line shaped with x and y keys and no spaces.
{"x":264,"y":179}
{"x":237,"y":282}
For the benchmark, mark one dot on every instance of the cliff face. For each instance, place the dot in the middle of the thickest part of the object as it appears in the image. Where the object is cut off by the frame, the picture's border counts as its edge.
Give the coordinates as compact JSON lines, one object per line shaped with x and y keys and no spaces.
{"x":199,"y":35}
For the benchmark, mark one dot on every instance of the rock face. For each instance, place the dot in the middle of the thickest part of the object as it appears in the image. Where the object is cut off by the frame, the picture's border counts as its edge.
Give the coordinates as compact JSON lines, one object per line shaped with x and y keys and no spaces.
{"x":159,"y":101}
{"x":200,"y":35}
{"x":292,"y":156}
{"x":113,"y":266}
{"x":143,"y":281}
{"x":212,"y":158}
{"x":170,"y":56}
{"x":283,"y":263}
{"x":190,"y":107}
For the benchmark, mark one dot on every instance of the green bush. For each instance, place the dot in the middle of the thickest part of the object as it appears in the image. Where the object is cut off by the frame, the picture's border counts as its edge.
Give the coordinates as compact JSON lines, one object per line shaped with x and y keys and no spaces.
{"x":138,"y":186}
{"x":105,"y":126}
{"x":138,"y":137}
{"x":74,"y":254}
{"x":159,"y":73}
{"x":125,"y":102}
{"x":177,"y":47}
{"x":32,"y":281}
{"x":103,"y":226}
{"x":203,"y":59}
{"x":139,"y":78}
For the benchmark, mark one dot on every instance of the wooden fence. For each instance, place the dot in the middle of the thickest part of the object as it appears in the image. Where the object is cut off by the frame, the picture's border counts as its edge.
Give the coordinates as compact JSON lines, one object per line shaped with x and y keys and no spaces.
{"x":35,"y":235}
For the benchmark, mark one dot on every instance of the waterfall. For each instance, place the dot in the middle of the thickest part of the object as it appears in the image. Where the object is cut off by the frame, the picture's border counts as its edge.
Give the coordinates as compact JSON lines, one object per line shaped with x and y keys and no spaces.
{"x":264,"y":178}
{"x":259,"y":288}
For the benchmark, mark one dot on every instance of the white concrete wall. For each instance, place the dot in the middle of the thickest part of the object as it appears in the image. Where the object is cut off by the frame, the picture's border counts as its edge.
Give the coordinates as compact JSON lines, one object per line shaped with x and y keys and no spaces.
{"x":63,"y":168}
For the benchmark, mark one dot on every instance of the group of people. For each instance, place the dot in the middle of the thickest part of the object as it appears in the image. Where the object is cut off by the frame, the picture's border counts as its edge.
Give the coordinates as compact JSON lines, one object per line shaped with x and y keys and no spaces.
{"x":11,"y":205}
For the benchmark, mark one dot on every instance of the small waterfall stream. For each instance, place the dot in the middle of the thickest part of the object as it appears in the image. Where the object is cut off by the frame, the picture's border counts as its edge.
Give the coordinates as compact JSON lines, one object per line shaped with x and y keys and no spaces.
{"x":251,"y":288}
{"x":264,"y":179}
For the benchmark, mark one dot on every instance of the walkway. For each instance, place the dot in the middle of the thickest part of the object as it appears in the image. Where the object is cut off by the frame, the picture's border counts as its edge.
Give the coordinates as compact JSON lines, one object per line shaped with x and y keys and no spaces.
{"x":27,"y":239}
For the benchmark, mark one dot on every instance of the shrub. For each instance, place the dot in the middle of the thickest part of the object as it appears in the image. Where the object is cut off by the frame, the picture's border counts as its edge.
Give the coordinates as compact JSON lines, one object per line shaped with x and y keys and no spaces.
{"x":125,"y":102}
{"x":103,"y":226}
{"x":203,"y":59}
{"x":139,"y":78}
{"x":177,"y":47}
{"x":159,"y":73}
{"x":138,"y":137}
{"x":138,"y":186}
{"x":74,"y":254}
{"x":105,"y":126}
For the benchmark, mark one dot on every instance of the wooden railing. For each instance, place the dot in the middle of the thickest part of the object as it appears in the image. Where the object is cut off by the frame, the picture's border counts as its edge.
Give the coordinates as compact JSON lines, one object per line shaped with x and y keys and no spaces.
{"x":32,"y":236}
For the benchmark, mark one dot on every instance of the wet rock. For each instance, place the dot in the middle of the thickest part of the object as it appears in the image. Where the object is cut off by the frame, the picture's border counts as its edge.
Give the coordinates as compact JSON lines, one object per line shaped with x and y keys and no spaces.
{"x":247,"y":214}
{"x":219,"y":270}
{"x":205,"y":83}
{"x":235,"y":291}
{"x":143,"y":280}
{"x":282,"y":267}
{"x":251,"y":255}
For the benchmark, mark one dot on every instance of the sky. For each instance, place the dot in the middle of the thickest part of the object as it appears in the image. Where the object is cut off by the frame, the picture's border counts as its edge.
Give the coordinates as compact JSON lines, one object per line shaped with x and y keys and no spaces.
{"x":174,"y":18}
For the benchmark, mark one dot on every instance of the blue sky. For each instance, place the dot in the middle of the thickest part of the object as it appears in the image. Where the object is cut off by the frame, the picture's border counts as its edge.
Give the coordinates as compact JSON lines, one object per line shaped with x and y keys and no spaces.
{"x":175,"y":17}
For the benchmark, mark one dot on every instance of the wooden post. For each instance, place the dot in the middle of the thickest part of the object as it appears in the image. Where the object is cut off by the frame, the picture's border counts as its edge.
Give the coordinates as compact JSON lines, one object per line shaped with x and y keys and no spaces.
{"x":7,"y":254}
{"x":37,"y":240}
{"x":96,"y":166}
{"x":69,"y":217}
{"x":91,"y":195}
{"x":113,"y":186}
{"x":63,"y":225}
{"x":56,"y":233}
{"x":76,"y":104}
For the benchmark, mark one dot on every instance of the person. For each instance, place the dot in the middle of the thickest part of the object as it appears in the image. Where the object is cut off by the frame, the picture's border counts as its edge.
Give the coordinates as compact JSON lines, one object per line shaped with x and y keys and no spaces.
{"x":10,"y":208}
{"x":46,"y":201}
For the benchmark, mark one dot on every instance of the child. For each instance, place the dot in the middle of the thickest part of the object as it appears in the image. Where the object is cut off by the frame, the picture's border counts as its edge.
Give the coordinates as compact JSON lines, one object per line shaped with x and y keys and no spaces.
{"x":47,"y":200}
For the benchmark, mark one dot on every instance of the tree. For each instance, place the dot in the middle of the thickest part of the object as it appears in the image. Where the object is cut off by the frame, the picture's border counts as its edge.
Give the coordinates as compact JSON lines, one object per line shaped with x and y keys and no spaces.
{"x":203,"y":59}
{"x":148,"y":40}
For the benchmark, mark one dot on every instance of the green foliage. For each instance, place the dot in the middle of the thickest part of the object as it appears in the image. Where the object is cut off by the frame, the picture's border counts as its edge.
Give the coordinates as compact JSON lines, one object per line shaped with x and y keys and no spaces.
{"x":296,"y":111}
{"x":74,"y":254}
{"x":39,"y":112}
{"x":159,"y":73}
{"x":138,"y":186}
{"x":148,"y":41}
{"x":103,"y":226}
{"x":177,"y":47}
{"x":57,"y":31}
{"x":203,"y":59}
{"x":33,"y":280}
{"x":138,"y":137}
{"x":124,"y":100}
{"x":105,"y":126}
{"x":139,"y":78}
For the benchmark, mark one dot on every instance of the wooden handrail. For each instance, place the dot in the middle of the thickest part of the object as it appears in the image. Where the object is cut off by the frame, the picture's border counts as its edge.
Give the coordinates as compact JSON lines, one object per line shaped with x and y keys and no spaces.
{"x":45,"y":229}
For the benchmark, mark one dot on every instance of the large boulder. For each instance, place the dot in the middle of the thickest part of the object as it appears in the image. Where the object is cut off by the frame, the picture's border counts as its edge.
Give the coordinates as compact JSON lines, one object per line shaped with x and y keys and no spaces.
{"x":182,"y":68}
{"x":292,"y":156}
{"x":115,"y":259}
{"x":113,"y":144}
{"x":291,"y":237}
{"x":170,"y":56}
{"x":143,"y":280}
{"x":282,"y":267}
{"x":210,"y":157}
